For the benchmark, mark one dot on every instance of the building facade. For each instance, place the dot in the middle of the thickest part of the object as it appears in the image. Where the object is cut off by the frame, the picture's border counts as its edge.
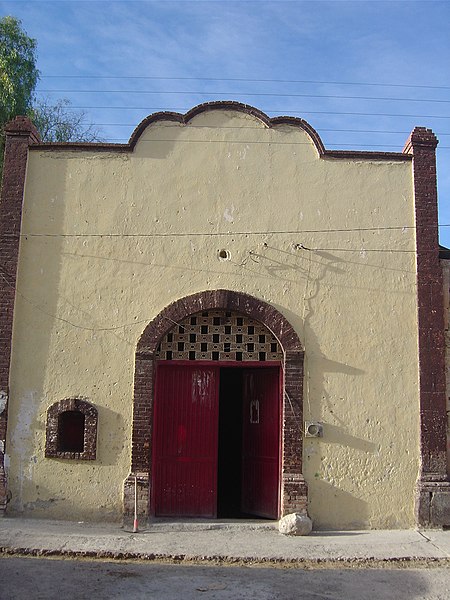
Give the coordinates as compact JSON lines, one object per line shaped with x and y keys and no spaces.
{"x":226,"y":319}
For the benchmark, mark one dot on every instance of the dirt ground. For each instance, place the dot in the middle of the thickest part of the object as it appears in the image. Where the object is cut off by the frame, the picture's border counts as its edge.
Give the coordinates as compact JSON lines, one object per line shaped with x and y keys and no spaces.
{"x":25,"y":578}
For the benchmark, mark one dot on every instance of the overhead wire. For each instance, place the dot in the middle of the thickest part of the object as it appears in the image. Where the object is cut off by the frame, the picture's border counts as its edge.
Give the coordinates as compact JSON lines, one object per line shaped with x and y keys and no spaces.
{"x":269,"y":110}
{"x":15,"y":288}
{"x":247,"y":80}
{"x":222,"y":233}
{"x":298,"y":247}
{"x":62,"y":319}
{"x":240,"y":127}
{"x":257,"y":94}
{"x":263,"y":142}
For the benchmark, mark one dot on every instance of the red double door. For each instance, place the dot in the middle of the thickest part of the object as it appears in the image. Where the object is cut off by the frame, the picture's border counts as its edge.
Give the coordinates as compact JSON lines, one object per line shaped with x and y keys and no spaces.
{"x":188,"y":405}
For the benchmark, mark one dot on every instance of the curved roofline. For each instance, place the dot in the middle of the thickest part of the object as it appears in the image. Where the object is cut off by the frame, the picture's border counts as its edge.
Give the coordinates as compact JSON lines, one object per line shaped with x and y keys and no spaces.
{"x":227,"y":105}
{"x":269,"y":122}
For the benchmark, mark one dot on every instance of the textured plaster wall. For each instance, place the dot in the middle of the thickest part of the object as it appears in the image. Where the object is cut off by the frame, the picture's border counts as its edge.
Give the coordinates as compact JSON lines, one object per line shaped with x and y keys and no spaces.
{"x":84,"y":299}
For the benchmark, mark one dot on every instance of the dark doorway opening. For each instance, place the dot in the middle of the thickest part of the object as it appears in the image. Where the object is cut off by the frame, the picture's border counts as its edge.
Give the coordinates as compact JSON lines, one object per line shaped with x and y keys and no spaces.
{"x":229,"y":482}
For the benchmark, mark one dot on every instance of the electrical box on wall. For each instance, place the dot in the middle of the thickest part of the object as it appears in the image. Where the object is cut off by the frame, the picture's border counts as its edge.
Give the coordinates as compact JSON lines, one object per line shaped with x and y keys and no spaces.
{"x":313,"y":429}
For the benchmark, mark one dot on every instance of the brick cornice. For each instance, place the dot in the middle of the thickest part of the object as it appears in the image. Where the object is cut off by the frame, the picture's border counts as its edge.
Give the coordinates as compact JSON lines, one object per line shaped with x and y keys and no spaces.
{"x":420,"y":137}
{"x":23,"y":127}
{"x":227,"y":105}
{"x":20,"y":133}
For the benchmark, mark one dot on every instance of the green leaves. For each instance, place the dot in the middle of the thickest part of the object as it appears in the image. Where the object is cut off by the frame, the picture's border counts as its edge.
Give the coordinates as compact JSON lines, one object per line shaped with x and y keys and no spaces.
{"x":18,"y":72}
{"x":56,"y":122}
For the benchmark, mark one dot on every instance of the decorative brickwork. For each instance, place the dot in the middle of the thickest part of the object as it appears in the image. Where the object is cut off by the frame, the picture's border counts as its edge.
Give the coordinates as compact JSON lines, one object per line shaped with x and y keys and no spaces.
{"x":256,"y":313}
{"x":139,"y":481}
{"x":20,"y":133}
{"x":219,"y":335}
{"x":54,"y":446}
{"x":433,"y":489}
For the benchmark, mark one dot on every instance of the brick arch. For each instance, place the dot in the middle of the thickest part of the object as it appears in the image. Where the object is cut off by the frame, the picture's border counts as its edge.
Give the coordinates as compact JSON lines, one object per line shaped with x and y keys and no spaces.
{"x":220,"y":299}
{"x":293,"y":487}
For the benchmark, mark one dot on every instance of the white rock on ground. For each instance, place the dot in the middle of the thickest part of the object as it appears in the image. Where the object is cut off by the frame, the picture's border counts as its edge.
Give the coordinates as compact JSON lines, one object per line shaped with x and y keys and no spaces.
{"x":295,"y":524}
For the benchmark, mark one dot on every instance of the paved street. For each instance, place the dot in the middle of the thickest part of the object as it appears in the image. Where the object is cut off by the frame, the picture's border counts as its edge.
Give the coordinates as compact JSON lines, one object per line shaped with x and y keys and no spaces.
{"x":72,"y":579}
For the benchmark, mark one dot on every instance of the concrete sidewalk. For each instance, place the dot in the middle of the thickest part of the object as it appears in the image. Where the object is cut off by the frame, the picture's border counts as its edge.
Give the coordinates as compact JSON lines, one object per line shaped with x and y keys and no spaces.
{"x":220,"y":541}
{"x":247,"y":542}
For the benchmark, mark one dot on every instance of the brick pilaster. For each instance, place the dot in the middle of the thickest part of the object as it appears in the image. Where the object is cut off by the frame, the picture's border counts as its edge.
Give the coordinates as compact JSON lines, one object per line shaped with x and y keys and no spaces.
{"x":20,"y":133}
{"x":433,"y":488}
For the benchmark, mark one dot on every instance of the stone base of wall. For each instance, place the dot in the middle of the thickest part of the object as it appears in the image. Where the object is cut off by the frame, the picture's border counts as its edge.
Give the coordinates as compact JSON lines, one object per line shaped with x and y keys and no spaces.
{"x":294,"y":496}
{"x":433,"y":504}
{"x":136,"y":482}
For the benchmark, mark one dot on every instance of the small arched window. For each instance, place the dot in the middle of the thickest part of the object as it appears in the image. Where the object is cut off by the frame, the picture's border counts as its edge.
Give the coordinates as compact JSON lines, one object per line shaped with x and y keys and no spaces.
{"x":71,"y":430}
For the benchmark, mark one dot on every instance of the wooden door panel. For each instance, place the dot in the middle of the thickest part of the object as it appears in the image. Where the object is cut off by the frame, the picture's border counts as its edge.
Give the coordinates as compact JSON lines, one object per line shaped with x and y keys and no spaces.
{"x":261,"y":434}
{"x":185,"y":441}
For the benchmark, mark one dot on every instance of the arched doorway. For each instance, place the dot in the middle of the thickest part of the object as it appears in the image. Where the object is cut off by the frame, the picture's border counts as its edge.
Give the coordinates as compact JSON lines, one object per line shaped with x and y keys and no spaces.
{"x":216,"y":425}
{"x":263,"y":376}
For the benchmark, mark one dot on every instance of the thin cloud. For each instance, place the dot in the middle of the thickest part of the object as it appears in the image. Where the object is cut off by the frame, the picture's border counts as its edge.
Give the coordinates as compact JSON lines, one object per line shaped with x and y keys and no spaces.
{"x":315,"y":41}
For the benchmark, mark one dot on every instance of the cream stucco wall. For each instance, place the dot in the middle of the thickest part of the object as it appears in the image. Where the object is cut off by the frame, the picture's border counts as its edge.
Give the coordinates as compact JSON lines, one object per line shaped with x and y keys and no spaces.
{"x":128,"y":233}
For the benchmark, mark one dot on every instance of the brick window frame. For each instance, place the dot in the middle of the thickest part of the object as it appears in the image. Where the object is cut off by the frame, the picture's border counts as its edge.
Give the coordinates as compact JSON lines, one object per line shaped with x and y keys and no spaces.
{"x":52,"y":442}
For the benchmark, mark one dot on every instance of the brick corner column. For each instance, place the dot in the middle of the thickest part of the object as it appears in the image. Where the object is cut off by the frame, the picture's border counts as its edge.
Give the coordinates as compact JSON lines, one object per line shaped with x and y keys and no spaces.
{"x":433,"y":487}
{"x":20,"y":134}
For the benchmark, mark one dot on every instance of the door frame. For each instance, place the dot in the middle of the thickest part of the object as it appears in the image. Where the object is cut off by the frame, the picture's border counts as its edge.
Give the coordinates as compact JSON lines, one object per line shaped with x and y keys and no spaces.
{"x":294,"y":491}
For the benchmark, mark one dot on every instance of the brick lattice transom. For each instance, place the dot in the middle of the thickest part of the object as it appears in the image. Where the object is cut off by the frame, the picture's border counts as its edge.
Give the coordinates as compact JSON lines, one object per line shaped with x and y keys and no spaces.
{"x":219,"y":335}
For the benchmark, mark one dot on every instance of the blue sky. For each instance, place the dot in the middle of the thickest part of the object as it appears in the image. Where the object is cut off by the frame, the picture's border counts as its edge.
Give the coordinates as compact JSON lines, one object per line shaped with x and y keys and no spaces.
{"x":362,"y":73}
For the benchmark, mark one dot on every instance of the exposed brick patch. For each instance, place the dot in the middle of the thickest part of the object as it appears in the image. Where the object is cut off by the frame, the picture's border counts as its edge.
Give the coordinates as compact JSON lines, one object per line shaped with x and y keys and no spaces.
{"x":293,"y":486}
{"x":52,"y":441}
{"x":295,"y":494}
{"x":20,"y":133}
{"x":136,"y":484}
{"x":433,"y":489}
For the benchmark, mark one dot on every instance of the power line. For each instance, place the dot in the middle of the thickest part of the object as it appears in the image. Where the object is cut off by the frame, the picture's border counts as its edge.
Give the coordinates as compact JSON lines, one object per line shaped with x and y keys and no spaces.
{"x":158,"y":78}
{"x":240,"y":127}
{"x":39,"y":308}
{"x":53,"y":316}
{"x":268,"y":142}
{"x":223,"y":94}
{"x":216,"y":234}
{"x":269,"y":110}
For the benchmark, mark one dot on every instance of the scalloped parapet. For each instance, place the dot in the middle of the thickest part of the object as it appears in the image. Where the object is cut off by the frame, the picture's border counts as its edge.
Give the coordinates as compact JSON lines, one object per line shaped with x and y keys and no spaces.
{"x":227,"y":105}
